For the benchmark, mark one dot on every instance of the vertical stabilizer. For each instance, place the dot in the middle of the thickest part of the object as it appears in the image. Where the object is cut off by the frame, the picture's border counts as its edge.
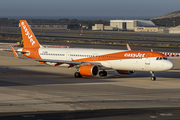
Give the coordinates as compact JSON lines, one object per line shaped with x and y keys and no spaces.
{"x":29,"y":39}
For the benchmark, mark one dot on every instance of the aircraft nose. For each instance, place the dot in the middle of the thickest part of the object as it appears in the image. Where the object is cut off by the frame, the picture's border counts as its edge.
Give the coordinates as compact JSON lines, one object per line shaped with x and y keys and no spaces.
{"x":170,"y":65}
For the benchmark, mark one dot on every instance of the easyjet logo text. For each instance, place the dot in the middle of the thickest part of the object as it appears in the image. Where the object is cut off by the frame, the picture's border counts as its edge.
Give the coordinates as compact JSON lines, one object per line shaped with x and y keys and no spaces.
{"x":27,"y":33}
{"x":134,"y":55}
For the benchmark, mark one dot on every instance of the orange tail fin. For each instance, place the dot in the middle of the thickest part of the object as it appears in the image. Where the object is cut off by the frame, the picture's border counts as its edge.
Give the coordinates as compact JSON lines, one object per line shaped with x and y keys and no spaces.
{"x":29,"y":39}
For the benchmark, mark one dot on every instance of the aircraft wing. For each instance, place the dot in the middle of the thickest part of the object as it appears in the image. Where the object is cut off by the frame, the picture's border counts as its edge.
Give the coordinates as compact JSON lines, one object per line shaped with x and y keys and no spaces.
{"x":59,"y":62}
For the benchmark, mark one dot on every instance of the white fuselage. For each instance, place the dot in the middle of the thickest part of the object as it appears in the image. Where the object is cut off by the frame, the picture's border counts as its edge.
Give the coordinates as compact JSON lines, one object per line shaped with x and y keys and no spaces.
{"x":134,"y":64}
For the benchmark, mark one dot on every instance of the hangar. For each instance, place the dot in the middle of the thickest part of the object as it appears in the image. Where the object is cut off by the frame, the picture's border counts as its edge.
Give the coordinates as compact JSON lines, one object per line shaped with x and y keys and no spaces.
{"x":130,"y":24}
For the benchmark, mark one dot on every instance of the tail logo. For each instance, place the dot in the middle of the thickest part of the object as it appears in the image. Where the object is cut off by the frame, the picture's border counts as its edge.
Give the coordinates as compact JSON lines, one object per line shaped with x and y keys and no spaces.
{"x":27,"y":33}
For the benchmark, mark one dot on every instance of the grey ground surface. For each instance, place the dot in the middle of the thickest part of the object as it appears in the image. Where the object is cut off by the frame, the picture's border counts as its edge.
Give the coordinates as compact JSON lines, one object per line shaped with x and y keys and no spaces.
{"x":26,"y":86}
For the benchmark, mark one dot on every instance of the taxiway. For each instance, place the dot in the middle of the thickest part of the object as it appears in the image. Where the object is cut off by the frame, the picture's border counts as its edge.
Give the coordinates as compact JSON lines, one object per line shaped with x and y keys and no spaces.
{"x":26,"y":86}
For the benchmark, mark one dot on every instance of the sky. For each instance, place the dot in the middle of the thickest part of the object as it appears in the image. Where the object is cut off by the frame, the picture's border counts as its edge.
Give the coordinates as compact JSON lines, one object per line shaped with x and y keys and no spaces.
{"x":98,"y":8}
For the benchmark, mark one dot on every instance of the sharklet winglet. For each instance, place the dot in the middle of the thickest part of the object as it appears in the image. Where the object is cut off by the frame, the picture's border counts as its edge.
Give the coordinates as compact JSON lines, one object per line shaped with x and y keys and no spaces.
{"x":128,"y":47}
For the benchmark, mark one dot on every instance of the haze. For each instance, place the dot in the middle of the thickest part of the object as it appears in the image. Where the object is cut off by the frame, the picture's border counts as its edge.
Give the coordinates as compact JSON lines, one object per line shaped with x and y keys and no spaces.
{"x":74,"y":8}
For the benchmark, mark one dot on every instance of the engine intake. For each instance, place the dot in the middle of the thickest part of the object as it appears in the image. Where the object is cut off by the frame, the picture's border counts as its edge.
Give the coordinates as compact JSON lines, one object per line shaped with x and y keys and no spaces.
{"x":125,"y":72}
{"x":89,"y":70}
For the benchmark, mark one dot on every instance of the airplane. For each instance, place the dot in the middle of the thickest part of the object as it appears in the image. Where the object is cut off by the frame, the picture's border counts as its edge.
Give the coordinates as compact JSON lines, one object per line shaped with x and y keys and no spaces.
{"x":91,"y":62}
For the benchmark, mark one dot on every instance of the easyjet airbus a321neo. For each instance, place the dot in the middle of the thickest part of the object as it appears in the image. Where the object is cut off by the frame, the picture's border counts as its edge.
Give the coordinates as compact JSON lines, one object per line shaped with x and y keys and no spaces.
{"x":91,"y":62}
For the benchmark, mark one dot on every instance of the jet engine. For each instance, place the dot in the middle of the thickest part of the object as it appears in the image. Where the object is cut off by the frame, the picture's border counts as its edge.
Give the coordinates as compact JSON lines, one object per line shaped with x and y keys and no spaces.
{"x":89,"y":70}
{"x":125,"y":72}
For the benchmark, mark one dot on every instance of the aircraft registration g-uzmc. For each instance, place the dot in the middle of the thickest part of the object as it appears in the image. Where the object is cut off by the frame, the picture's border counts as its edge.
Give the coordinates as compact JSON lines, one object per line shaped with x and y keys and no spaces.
{"x":91,"y":62}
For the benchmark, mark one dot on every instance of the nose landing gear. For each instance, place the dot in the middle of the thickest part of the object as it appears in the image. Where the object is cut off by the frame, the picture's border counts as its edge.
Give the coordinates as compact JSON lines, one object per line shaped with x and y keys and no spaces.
{"x":153,"y":78}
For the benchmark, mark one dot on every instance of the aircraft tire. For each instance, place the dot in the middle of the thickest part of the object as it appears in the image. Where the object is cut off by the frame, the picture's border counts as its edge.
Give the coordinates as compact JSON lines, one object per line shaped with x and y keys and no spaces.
{"x":102,"y":73}
{"x":77,"y":75}
{"x":153,"y":78}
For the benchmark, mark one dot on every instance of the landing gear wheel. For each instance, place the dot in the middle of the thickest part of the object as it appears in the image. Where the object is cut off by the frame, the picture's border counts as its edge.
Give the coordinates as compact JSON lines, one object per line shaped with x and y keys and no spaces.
{"x":102,"y":73}
{"x":153,"y":78}
{"x":77,"y":75}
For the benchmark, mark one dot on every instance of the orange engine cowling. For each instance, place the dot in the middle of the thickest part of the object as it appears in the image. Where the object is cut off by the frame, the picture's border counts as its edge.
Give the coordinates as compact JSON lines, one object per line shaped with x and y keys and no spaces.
{"x":125,"y":72}
{"x":88,"y":70}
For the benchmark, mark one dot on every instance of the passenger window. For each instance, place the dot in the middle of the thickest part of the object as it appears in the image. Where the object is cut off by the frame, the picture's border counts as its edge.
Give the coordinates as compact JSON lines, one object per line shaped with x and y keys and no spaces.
{"x":157,"y":58}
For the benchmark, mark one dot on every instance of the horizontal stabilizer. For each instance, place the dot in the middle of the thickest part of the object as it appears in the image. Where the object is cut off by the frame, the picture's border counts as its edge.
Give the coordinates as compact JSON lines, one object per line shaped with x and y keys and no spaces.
{"x":15,"y":54}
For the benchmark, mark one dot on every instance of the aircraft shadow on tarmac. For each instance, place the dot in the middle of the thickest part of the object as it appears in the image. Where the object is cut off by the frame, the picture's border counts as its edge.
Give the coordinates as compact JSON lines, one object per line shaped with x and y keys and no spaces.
{"x":107,"y":114}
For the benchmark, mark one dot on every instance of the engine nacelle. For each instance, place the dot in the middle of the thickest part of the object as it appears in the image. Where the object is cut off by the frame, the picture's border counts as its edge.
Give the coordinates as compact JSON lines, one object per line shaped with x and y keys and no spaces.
{"x":88,"y":70}
{"x":125,"y":72}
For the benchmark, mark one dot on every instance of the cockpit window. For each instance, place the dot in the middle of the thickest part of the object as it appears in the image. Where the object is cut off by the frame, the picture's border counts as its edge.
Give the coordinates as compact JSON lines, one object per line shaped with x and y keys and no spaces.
{"x":165,"y":58}
{"x":161,"y":58}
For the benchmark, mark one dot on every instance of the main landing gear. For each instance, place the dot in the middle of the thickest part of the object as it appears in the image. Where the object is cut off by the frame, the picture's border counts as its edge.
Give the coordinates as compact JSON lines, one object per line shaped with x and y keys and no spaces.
{"x":102,"y":73}
{"x":153,"y":78}
{"x":77,"y":75}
